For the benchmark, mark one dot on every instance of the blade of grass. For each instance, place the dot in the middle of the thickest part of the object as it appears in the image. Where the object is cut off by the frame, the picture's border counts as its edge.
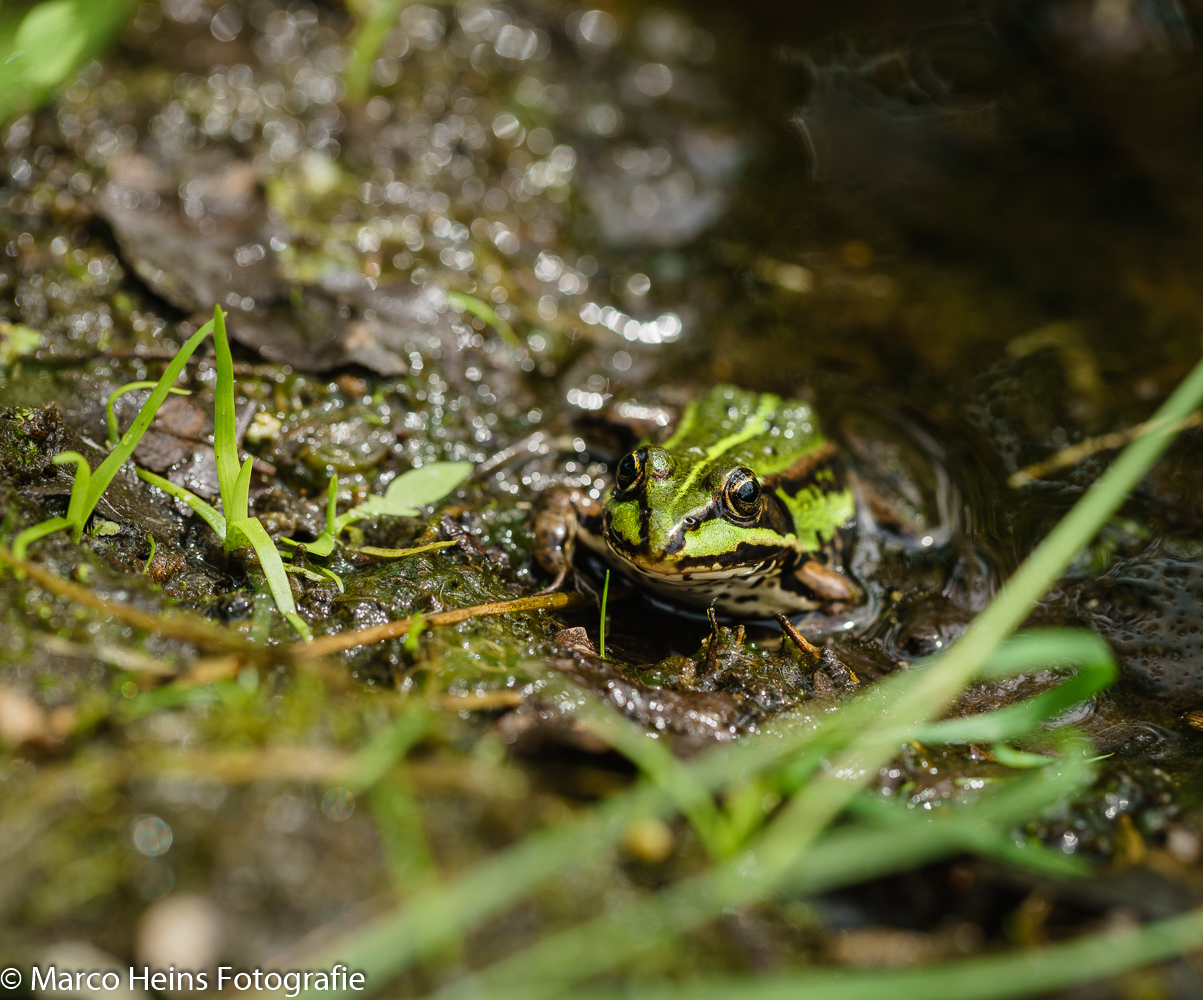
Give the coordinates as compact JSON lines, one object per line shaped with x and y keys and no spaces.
{"x":40,"y":530}
{"x":994,"y":977}
{"x":225,"y":434}
{"x":471,"y":304}
{"x":845,"y":855}
{"x":1096,"y":669}
{"x":379,"y":553}
{"x":111,"y":415}
{"x":150,"y":558}
{"x":250,"y":529}
{"x":331,"y":504}
{"x":79,"y":489}
{"x":104,"y":474}
{"x":43,"y":44}
{"x":87,"y":491}
{"x":242,"y":493}
{"x":601,"y":629}
{"x":208,"y":513}
{"x":937,"y":684}
{"x":369,"y":36}
{"x":384,"y":749}
{"x":656,"y":760}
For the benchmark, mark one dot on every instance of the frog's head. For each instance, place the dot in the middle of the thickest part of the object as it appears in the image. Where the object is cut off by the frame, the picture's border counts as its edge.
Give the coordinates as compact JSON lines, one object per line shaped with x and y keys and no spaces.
{"x":669,"y":516}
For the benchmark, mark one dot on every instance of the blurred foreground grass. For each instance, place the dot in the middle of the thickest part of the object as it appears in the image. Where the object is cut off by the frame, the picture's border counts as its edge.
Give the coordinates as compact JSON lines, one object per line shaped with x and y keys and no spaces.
{"x":43,"y":44}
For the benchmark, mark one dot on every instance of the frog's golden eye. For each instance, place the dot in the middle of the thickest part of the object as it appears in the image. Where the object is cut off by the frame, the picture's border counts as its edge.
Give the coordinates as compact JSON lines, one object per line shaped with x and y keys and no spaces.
{"x":631,"y":470}
{"x":741,"y":495}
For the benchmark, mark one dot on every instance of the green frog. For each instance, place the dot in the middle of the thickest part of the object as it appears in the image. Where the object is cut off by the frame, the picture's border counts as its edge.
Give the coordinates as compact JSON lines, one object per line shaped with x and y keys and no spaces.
{"x":743,"y":508}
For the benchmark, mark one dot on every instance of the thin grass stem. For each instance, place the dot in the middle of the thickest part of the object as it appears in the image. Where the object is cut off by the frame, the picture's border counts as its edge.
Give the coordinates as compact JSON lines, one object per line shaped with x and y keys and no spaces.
{"x":601,"y":631}
{"x":207,"y":512}
{"x":993,"y":977}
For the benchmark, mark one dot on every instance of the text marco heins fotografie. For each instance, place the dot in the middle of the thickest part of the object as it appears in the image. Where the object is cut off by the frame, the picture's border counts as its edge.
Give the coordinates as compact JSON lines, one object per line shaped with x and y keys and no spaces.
{"x":291,"y":982}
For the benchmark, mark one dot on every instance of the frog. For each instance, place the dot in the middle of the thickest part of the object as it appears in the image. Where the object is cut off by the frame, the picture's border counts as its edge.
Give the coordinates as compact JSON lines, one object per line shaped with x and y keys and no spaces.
{"x":743,"y":509}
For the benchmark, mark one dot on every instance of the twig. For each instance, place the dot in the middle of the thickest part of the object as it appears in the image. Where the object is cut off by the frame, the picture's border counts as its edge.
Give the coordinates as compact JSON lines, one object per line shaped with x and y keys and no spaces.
{"x":1091,"y":446}
{"x":399,"y":628}
{"x":175,"y":626}
{"x":487,"y":701}
{"x":799,"y":640}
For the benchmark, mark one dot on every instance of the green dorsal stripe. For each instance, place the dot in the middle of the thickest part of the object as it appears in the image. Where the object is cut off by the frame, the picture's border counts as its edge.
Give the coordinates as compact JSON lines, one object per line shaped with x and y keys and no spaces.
{"x":683,"y":426}
{"x":753,"y":427}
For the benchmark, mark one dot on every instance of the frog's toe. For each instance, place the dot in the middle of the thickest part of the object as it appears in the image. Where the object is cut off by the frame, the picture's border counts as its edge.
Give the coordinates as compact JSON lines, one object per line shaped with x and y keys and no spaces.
{"x":558,"y":582}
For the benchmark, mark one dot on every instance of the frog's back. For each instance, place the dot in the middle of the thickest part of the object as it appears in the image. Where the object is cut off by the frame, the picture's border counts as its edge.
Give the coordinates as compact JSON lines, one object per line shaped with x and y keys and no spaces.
{"x":758,"y":430}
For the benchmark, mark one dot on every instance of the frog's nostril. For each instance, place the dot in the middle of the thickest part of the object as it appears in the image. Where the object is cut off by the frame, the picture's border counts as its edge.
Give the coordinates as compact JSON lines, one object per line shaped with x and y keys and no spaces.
{"x":690,"y":521}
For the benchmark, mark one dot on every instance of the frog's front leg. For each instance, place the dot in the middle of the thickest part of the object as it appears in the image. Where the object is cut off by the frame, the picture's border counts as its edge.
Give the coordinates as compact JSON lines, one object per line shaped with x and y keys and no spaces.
{"x":826,"y":583}
{"x":561,"y":514}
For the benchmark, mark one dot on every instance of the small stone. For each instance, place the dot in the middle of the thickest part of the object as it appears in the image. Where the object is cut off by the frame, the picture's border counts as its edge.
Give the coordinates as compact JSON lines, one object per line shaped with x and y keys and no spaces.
{"x":184,"y":932}
{"x":576,"y":639}
{"x":649,"y":841}
{"x":22,"y":720}
{"x":1183,"y":843}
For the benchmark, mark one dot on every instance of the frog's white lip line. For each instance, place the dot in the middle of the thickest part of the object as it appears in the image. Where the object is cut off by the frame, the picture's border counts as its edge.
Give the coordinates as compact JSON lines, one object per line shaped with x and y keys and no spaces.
{"x":700,"y":574}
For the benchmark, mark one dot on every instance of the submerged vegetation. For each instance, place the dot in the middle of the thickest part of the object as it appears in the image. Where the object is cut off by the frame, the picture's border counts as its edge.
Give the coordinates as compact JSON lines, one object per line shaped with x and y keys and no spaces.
{"x":454,"y":244}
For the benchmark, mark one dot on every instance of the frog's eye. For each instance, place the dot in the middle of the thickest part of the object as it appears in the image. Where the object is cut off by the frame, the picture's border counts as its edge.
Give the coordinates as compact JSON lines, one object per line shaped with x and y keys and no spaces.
{"x":741,"y":495}
{"x":630,"y":470}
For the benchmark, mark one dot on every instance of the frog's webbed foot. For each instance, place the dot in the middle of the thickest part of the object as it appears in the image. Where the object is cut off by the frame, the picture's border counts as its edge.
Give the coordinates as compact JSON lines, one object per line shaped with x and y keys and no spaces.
{"x":831,"y":675}
{"x":826,"y":583}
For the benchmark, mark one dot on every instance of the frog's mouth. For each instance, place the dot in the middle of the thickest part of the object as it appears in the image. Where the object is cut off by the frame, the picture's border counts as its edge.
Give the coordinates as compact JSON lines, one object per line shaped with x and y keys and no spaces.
{"x":745,"y":560}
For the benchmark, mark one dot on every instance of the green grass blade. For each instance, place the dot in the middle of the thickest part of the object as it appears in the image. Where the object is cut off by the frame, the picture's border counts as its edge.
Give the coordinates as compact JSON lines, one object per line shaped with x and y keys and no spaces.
{"x":103,"y":475}
{"x":435,"y":916}
{"x":46,"y":42}
{"x":306,"y":572}
{"x":79,"y":488}
{"x":850,"y":854}
{"x":225,"y":434}
{"x":332,"y":505}
{"x":1096,"y":669}
{"x":384,"y":749}
{"x":1001,"y":977}
{"x":250,"y":529}
{"x":111,"y":415}
{"x":366,"y":45}
{"x":329,"y":574}
{"x":655,"y":759}
{"x":601,"y":628}
{"x":414,"y":550}
{"x":242,"y":492}
{"x":40,"y":530}
{"x":323,"y":545}
{"x":208,"y":513}
{"x":477,"y":307}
